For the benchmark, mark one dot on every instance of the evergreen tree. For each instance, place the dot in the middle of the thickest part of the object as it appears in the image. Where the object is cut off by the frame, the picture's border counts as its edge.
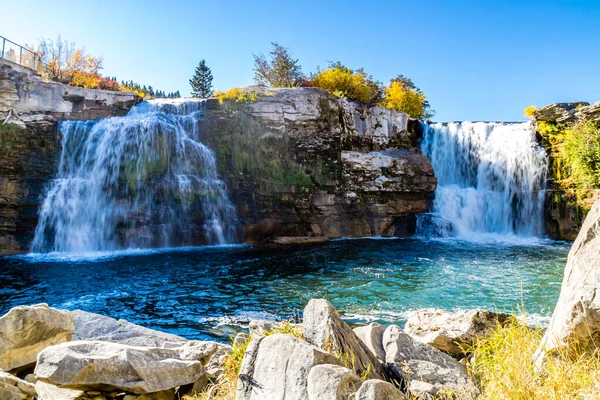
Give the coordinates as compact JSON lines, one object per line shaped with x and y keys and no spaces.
{"x":201,"y":82}
{"x":281,"y":71}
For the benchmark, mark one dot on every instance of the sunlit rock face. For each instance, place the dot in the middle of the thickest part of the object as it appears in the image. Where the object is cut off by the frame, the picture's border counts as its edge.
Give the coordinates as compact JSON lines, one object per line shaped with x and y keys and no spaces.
{"x":301,"y":162}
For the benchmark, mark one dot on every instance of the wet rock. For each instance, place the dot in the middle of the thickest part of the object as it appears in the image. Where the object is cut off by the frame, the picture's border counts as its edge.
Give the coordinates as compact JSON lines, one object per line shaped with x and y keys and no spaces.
{"x":276,"y":367}
{"x":374,"y":389}
{"x":452,"y":333}
{"x":576,"y":319}
{"x":13,"y":388}
{"x":90,"y":326}
{"x":27,"y":330}
{"x":372,"y":336}
{"x":94,"y":365}
{"x":324,"y":328}
{"x":426,"y":367}
{"x":332,"y":382}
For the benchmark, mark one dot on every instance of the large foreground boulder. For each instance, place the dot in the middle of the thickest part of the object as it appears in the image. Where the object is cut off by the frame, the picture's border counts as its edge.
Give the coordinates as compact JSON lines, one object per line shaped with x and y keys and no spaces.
{"x":576,"y":318}
{"x":452,"y":333}
{"x":90,"y":326}
{"x":277,"y":367}
{"x":429,"y":372}
{"x":332,"y":382}
{"x":94,"y":365}
{"x":13,"y":388}
{"x":372,"y":336}
{"x":324,"y":328}
{"x":27,"y":330}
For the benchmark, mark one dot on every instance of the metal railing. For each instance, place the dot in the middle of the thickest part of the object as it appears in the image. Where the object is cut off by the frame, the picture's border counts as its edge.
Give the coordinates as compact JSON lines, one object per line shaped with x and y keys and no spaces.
{"x":21,"y":55}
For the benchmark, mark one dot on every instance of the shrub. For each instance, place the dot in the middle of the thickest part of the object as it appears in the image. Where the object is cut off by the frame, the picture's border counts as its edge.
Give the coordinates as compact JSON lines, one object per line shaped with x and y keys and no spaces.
{"x":236,"y":95}
{"x":343,"y":82}
{"x":401,"y":97}
{"x":581,"y":151}
{"x":528,"y":112}
{"x":503,"y":365}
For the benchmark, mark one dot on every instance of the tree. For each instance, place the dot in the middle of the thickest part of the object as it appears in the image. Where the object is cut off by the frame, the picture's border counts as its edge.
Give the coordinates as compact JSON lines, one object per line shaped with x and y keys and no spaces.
{"x":281,"y":71}
{"x":343,"y":82}
{"x":201,"y":82}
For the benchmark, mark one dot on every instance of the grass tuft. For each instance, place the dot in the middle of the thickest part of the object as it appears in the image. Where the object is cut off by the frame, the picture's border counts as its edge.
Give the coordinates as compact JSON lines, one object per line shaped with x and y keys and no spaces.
{"x":504,"y":368}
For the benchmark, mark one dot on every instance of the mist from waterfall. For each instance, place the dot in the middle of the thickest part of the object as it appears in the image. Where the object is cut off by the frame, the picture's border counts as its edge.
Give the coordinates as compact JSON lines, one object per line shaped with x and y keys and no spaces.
{"x":491,"y":180}
{"x":141,"y":180}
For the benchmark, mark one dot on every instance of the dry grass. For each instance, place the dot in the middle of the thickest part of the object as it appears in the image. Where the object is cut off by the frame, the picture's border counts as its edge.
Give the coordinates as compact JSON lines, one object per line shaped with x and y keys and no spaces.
{"x":503,"y":365}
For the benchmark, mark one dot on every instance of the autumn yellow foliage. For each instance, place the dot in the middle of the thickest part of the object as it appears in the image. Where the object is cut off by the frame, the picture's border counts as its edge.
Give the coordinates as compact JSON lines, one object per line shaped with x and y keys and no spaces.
{"x":402,"y":98}
{"x":83,"y":70}
{"x":343,"y":82}
{"x":528,"y":112}
{"x":236,"y":95}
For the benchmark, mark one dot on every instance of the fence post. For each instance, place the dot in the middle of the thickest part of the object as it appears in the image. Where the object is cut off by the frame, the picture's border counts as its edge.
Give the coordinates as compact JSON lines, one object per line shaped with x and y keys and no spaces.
{"x":3,"y":43}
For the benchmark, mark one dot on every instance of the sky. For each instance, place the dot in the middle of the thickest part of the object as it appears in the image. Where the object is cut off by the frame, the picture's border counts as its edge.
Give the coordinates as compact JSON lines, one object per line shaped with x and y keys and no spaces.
{"x":476,"y":60}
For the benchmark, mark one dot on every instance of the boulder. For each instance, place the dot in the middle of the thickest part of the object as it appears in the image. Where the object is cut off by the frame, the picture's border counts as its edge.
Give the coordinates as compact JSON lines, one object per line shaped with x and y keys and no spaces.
{"x":452,"y":333}
{"x":94,"y":365}
{"x":47,"y":391}
{"x":324,"y":328}
{"x":372,"y":336}
{"x":426,"y":367}
{"x":13,"y":388}
{"x":27,"y":330}
{"x":374,"y":389}
{"x":332,"y":382}
{"x":90,"y":326}
{"x":575,"y":322}
{"x":259,"y":327}
{"x":277,"y":367}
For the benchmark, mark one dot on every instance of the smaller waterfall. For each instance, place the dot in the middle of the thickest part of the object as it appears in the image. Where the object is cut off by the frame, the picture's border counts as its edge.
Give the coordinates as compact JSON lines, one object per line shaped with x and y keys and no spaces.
{"x":142,"y":180}
{"x":491,"y":180}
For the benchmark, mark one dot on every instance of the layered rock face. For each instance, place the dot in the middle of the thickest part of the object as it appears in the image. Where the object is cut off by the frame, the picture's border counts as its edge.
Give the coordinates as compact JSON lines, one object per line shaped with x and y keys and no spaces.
{"x":303,"y":163}
{"x":30,"y":143}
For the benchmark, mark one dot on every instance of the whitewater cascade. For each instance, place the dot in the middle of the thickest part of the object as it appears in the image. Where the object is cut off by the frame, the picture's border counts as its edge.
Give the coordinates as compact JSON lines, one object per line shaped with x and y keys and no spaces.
{"x":142,"y":180}
{"x":491,"y":180}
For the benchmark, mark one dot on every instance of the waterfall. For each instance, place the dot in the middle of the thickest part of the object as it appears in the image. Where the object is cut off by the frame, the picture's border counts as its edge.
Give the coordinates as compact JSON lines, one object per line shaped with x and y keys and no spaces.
{"x":141,"y":180}
{"x":491,"y":180}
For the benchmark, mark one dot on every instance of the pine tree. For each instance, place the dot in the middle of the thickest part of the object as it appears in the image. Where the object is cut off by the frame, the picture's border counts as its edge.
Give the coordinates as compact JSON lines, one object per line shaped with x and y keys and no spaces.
{"x":201,"y":82}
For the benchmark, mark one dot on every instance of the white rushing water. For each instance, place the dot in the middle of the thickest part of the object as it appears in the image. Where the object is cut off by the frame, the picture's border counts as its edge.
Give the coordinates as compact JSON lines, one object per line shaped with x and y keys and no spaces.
{"x":491,"y":180}
{"x":142,"y":180}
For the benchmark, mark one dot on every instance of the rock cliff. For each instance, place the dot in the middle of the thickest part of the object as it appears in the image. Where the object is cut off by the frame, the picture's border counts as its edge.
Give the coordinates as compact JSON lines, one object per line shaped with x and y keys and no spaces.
{"x":303,"y":163}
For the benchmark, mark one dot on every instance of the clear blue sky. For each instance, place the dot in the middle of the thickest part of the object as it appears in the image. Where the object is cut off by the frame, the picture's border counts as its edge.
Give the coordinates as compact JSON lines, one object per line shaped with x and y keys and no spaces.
{"x":476,"y":60}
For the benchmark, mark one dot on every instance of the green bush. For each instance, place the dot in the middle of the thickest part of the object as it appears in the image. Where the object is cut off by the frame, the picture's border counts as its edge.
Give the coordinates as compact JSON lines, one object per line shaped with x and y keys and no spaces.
{"x":581,"y":151}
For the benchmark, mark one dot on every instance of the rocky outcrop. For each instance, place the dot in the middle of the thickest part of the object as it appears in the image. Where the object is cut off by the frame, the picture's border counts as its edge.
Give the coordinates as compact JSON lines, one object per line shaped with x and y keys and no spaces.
{"x":89,"y":365}
{"x":452,"y":333}
{"x":30,"y":142}
{"x":427,"y":370}
{"x":301,"y":163}
{"x":564,"y":113}
{"x":26,"y":330}
{"x":576,"y":319}
{"x":277,"y":367}
{"x":324,"y":328}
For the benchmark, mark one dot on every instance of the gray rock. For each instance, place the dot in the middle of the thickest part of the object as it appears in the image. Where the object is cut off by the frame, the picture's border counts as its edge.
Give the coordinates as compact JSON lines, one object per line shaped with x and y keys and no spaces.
{"x":47,"y":391}
{"x":576,"y":318}
{"x":324,"y":328}
{"x":332,"y":382}
{"x":559,"y":112}
{"x":214,"y":367}
{"x":90,"y":326}
{"x":452,"y":333}
{"x":374,"y":389}
{"x":258,"y":328}
{"x":276,"y":367}
{"x":418,"y":362}
{"x":13,"y":388}
{"x":27,"y":330}
{"x":94,"y":365}
{"x":372,"y":336}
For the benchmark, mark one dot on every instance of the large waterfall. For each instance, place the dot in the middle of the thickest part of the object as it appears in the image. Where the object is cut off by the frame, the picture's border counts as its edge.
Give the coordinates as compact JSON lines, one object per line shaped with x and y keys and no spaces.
{"x":491,"y":179}
{"x":142,"y":180}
